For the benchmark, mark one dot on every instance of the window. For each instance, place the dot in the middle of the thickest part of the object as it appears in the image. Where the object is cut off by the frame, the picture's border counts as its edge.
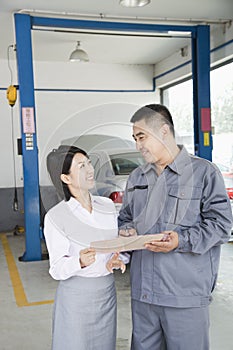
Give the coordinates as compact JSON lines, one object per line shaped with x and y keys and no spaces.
{"x":124,"y":163}
{"x":179,"y":100}
{"x":222,"y":114}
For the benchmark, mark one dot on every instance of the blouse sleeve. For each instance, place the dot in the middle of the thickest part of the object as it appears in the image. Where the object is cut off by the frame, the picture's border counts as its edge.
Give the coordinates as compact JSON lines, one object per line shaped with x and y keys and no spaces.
{"x":62,"y":264}
{"x":125,"y":257}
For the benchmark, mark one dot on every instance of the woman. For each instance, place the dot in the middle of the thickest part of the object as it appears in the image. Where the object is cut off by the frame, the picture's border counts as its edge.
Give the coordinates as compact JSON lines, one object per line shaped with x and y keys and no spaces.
{"x":85,"y":303}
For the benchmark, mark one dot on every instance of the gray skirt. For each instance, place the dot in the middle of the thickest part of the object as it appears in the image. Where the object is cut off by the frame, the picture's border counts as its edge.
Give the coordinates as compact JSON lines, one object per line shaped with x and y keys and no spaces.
{"x":84,"y":315}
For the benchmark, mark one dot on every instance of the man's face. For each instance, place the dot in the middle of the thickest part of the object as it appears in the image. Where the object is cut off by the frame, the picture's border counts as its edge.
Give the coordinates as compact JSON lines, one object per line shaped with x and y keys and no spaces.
{"x":148,"y":141}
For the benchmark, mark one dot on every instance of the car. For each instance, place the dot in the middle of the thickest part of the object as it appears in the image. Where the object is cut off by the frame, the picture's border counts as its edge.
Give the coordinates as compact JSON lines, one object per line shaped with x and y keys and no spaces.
{"x":228,"y":179}
{"x":93,"y":142}
{"x":222,"y":167}
{"x":227,"y":174}
{"x":112,"y":168}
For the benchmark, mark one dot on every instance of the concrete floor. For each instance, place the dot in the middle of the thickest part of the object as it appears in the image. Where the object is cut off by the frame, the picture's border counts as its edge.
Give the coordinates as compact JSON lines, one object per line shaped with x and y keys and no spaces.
{"x":27,"y":292}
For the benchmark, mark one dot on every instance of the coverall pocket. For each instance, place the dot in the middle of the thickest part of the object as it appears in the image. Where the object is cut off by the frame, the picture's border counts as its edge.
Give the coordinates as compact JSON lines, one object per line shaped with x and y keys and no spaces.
{"x":187,"y":201}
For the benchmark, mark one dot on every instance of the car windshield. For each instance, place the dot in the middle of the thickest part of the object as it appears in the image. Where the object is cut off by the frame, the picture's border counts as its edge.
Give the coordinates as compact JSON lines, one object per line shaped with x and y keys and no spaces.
{"x":228,"y":182}
{"x":124,"y":163}
{"x":223,"y":167}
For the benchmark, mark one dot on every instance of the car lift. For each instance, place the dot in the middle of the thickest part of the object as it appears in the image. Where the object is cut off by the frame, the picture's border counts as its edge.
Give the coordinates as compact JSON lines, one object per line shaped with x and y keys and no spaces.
{"x":24,"y":23}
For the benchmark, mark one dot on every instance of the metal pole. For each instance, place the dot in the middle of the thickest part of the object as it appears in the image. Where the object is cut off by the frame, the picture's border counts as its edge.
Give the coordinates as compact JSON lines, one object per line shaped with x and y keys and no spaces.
{"x":29,"y":143}
{"x":201,"y":91}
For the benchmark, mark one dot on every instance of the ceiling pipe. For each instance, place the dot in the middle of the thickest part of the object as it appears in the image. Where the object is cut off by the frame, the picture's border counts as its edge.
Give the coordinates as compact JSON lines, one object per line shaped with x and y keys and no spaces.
{"x":102,"y":16}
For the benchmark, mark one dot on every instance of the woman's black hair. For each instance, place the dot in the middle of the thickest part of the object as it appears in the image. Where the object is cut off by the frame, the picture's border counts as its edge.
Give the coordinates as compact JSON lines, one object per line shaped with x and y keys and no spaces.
{"x":59,"y":162}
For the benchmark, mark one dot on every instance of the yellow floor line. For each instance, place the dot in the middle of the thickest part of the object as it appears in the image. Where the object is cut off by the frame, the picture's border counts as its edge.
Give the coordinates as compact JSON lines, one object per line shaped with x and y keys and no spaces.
{"x":20,"y":296}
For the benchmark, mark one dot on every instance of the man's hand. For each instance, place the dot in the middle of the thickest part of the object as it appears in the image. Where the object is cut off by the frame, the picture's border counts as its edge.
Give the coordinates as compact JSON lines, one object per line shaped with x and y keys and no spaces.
{"x":168,"y":243}
{"x":127,"y":232}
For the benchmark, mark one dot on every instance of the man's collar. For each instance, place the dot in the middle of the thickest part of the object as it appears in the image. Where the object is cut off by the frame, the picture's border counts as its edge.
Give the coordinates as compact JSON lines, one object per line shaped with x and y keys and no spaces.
{"x":178,"y":164}
{"x":181,"y":160}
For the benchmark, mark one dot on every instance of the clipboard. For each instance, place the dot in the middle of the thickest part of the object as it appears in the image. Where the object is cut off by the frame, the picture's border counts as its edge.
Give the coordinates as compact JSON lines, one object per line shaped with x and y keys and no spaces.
{"x":122,"y":244}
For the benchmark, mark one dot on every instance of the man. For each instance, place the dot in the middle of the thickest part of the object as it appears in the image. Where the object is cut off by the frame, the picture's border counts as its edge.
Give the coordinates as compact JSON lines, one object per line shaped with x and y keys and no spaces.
{"x":184,"y":197}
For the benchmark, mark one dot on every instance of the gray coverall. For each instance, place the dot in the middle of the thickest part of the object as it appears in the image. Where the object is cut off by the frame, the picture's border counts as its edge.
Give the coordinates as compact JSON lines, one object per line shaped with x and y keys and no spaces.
{"x":171,"y":291}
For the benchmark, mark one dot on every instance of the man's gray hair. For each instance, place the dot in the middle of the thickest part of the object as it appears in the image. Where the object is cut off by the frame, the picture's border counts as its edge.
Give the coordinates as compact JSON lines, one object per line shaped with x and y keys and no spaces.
{"x":155,"y":115}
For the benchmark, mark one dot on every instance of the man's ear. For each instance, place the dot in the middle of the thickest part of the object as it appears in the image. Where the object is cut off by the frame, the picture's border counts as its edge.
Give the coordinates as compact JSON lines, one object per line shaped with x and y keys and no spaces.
{"x":65,"y":178}
{"x":165,"y":130}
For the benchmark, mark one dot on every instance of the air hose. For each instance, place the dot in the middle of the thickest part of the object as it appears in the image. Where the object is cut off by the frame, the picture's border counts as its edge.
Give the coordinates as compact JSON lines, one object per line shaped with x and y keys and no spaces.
{"x":12,"y":96}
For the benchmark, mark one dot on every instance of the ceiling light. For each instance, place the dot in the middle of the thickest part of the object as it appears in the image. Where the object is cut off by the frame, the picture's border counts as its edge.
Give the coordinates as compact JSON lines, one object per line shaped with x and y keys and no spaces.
{"x":134,"y":3}
{"x":79,"y":55}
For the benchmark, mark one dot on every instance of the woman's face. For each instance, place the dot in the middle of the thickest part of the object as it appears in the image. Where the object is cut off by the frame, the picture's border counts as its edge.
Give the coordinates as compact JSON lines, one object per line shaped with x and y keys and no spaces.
{"x":81,"y":175}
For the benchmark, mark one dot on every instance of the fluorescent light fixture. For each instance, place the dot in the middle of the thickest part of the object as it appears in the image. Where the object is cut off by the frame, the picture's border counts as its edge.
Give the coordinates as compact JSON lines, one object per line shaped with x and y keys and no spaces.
{"x":176,"y":33}
{"x":79,"y":55}
{"x":134,"y":3}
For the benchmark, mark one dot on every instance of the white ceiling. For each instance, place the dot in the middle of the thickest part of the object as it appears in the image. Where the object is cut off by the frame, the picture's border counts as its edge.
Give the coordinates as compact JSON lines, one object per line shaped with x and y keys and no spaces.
{"x":56,"y":46}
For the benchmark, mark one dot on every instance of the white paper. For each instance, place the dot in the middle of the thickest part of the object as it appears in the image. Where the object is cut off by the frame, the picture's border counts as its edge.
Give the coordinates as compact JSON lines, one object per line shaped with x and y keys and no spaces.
{"x":122,"y":244}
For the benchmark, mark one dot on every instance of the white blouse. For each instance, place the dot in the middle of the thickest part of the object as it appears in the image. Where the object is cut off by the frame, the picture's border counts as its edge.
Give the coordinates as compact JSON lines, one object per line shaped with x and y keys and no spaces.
{"x":64,"y":252}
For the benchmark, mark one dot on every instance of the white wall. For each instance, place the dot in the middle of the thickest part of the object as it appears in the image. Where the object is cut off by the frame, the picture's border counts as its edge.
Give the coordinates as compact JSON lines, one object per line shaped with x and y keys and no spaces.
{"x":63,"y":114}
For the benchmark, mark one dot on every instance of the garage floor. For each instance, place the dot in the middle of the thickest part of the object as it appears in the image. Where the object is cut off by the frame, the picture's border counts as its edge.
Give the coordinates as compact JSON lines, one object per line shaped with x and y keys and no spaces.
{"x":27,"y":292}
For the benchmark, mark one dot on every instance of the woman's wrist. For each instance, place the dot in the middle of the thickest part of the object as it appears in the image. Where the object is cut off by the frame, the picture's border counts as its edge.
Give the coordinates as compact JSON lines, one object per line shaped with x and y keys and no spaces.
{"x":81,"y":264}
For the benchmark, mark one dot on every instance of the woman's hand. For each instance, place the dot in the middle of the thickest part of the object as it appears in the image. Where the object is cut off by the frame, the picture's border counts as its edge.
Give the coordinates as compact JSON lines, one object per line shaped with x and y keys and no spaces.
{"x":87,"y":257}
{"x":115,"y":263}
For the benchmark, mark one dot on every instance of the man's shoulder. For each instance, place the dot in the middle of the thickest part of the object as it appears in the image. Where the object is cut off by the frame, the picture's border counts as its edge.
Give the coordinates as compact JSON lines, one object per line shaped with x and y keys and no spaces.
{"x":204,"y":163}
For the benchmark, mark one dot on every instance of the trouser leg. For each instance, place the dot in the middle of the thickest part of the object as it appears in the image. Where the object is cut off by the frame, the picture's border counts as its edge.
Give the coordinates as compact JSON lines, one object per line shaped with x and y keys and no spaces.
{"x":186,"y":328}
{"x":160,"y":328}
{"x":147,"y":332}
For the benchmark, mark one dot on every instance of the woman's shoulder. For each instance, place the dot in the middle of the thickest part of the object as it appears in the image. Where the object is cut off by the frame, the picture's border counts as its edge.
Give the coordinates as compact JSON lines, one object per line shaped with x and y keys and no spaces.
{"x":56,"y":208}
{"x":103,"y":201}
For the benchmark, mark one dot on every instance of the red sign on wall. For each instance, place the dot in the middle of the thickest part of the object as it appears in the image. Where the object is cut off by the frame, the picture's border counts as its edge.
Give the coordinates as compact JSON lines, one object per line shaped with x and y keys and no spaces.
{"x":205,"y":119}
